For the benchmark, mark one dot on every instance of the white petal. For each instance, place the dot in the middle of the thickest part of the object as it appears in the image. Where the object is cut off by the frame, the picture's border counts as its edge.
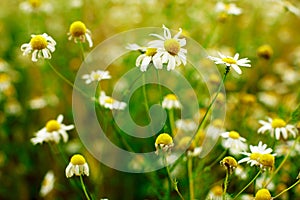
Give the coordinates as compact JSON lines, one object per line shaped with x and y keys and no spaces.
{"x":236,"y":68}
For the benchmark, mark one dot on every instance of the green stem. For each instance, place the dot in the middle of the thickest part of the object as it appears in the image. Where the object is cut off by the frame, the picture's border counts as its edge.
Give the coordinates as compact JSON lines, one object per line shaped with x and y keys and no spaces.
{"x":84,"y":189}
{"x":281,"y":164}
{"x":82,"y":50}
{"x":287,"y":189}
{"x":159,"y":86}
{"x":248,"y":184}
{"x":171,"y":120}
{"x":67,"y":81}
{"x":225,"y":184}
{"x":190,"y":176}
{"x":145,"y":94}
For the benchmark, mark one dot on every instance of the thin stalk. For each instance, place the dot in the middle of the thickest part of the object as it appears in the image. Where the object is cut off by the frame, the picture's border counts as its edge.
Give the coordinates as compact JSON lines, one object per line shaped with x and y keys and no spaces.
{"x":281,"y":164}
{"x":225,"y":184}
{"x":145,"y":94}
{"x":255,"y":177}
{"x":287,"y":189}
{"x":84,"y":189}
{"x":81,"y":50}
{"x":67,"y":81}
{"x":171,"y":120}
{"x":190,"y":176}
{"x":159,"y":86}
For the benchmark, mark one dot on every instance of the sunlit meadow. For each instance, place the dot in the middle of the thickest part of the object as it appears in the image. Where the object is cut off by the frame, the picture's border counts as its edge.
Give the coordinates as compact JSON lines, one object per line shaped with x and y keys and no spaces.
{"x":255,"y":46}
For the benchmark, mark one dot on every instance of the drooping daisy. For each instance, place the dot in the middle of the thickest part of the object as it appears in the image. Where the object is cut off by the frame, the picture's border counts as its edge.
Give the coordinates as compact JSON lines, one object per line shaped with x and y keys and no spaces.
{"x":233,"y":62}
{"x":230,"y":9}
{"x":110,"y":103}
{"x":277,"y":127}
{"x":260,"y":155}
{"x":96,"y":76}
{"x":229,"y":163}
{"x":47,"y":184}
{"x":263,"y":194}
{"x":41,"y":46}
{"x":53,"y":131}
{"x":146,"y":57}
{"x":78,"y":31}
{"x":164,"y":142}
{"x":77,"y":166}
{"x":234,"y":142}
{"x":169,"y":49}
{"x":170,"y":101}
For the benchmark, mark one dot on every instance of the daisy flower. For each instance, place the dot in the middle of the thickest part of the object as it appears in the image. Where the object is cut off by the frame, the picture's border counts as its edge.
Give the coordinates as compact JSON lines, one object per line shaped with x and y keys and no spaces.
{"x":164,"y":142}
{"x":96,"y":76}
{"x":230,"y":9}
{"x":277,"y":127}
{"x":47,"y":184}
{"x":229,"y":163}
{"x":146,"y":57}
{"x":53,"y":132}
{"x":41,"y":46}
{"x":260,"y":155}
{"x":233,"y":62}
{"x":263,"y":194}
{"x":78,"y":31}
{"x":170,"y":101}
{"x":110,"y":103}
{"x":169,"y":49}
{"x":30,"y":6}
{"x":77,"y":166}
{"x":234,"y":142}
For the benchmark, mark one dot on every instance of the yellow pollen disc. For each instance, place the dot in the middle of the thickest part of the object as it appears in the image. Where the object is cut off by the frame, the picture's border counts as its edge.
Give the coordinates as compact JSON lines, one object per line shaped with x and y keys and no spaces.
{"x":267,"y":160}
{"x":234,"y":135}
{"x":229,"y":162}
{"x":217,"y":123}
{"x":278,"y":123}
{"x":217,"y":190}
{"x":35,"y":3}
{"x":4,"y":78}
{"x":52,"y":125}
{"x":38,"y":42}
{"x":263,"y":194}
{"x":109,"y":100}
{"x":172,"y":46}
{"x":77,"y":29}
{"x":164,"y":138}
{"x":171,"y":97}
{"x":255,"y":156}
{"x":229,"y":60}
{"x":151,"y":51}
{"x":77,"y":159}
{"x":96,"y":76}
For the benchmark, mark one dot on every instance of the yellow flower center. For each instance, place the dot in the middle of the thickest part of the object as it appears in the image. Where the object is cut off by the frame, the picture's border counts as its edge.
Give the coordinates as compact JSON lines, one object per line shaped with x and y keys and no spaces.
{"x":38,"y":42}
{"x":217,"y":190}
{"x":52,"y":125}
{"x":263,"y":194}
{"x":267,"y":160}
{"x":265,"y":51}
{"x":172,"y":46}
{"x":164,"y":138}
{"x":229,"y":60}
{"x":218,"y":123}
{"x":234,"y":135}
{"x":77,"y":29}
{"x":35,"y":3}
{"x":4,"y":78}
{"x":109,"y":100}
{"x":78,"y":159}
{"x":96,"y":76}
{"x":151,"y":51}
{"x":278,"y":123}
{"x":229,"y":162}
{"x":255,"y":156}
{"x":171,"y":97}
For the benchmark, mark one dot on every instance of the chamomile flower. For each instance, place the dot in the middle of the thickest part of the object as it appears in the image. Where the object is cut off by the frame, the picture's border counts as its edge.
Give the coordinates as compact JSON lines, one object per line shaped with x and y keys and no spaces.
{"x":170,"y":101}
{"x":216,"y":193}
{"x":229,"y":163}
{"x":263,"y":194}
{"x":53,"y":132}
{"x":277,"y":127}
{"x":31,"y":6}
{"x":233,"y":62}
{"x":41,"y":46}
{"x":164,"y":142}
{"x":230,"y":9}
{"x":260,"y":155}
{"x":234,"y":142}
{"x":47,"y":184}
{"x":77,"y":166}
{"x":110,"y":103}
{"x":78,"y":31}
{"x":169,"y":49}
{"x":96,"y":76}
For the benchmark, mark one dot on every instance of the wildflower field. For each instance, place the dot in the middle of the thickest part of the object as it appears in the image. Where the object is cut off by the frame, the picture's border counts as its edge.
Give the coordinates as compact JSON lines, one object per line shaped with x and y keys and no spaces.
{"x":150,"y":99}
